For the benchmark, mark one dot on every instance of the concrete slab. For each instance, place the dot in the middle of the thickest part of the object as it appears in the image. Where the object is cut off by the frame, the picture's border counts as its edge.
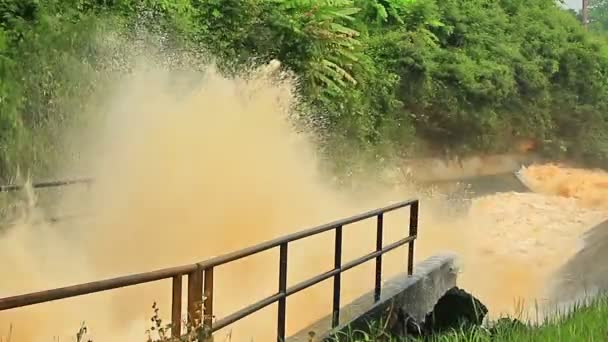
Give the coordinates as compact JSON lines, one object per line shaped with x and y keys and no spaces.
{"x":416,"y":294}
{"x":583,"y":276}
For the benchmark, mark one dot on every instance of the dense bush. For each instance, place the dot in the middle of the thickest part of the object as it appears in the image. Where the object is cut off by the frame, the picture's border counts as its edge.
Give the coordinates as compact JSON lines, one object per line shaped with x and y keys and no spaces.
{"x":389,"y":77}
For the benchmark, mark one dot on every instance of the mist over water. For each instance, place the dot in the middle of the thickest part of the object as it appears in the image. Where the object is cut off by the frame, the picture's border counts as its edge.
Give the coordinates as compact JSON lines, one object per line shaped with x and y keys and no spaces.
{"x":187,"y":168}
{"x":194,"y":164}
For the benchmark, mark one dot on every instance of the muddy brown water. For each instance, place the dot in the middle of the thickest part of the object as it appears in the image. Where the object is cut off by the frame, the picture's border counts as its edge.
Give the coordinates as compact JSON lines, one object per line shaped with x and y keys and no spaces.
{"x":555,"y":220}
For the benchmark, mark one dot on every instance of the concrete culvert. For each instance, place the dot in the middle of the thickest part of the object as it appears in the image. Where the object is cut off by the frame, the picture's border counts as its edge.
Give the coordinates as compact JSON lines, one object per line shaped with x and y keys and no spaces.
{"x":456,"y":309}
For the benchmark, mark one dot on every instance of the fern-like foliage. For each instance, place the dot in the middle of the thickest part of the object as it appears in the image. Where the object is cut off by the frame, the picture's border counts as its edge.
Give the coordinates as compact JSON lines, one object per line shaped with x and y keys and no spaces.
{"x":323,"y":32}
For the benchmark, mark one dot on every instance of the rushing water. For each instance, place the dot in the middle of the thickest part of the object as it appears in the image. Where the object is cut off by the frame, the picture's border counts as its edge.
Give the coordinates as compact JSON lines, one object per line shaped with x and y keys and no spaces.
{"x":513,"y":243}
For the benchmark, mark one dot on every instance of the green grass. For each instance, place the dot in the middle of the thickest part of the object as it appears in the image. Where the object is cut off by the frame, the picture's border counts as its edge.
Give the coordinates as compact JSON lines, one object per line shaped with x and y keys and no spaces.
{"x":582,"y":323}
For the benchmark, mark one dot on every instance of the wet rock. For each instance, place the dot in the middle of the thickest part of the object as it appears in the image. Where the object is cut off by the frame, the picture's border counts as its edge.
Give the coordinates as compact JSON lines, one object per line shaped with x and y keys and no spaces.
{"x":456,"y":309}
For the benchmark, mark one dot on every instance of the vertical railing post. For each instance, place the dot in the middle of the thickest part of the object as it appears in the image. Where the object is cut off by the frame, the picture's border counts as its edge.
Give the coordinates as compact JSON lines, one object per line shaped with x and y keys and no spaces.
{"x":337,"y":278}
{"x":413,"y":231}
{"x":208,"y":303}
{"x":195,"y":298}
{"x":379,"y":235}
{"x":283,"y":291}
{"x":176,"y":307}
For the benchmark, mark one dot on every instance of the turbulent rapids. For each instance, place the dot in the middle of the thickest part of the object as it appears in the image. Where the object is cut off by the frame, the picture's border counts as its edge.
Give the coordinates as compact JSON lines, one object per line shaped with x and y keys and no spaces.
{"x":519,"y":247}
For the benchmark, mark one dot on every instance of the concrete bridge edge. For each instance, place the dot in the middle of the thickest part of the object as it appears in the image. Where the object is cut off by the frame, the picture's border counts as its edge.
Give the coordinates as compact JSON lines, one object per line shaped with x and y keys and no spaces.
{"x":416,"y":295}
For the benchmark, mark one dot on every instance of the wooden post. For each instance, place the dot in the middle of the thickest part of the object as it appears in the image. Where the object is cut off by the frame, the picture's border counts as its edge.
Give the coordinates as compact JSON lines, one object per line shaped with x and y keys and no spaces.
{"x":176,"y":307}
{"x":195,"y":298}
{"x":208,"y":304}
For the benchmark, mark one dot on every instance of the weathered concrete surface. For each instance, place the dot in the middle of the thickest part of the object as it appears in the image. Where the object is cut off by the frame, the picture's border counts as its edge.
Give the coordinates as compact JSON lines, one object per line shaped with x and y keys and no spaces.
{"x":417,"y":295}
{"x":585,"y":274}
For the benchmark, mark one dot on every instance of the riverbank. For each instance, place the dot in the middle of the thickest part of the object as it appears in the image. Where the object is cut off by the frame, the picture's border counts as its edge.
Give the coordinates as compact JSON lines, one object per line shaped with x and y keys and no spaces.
{"x":584,"y":323}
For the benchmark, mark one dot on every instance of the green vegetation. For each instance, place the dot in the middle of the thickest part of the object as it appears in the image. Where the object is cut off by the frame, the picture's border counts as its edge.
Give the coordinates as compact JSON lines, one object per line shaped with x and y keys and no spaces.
{"x":583,"y":323}
{"x":390,"y":77}
{"x":598,"y":16}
